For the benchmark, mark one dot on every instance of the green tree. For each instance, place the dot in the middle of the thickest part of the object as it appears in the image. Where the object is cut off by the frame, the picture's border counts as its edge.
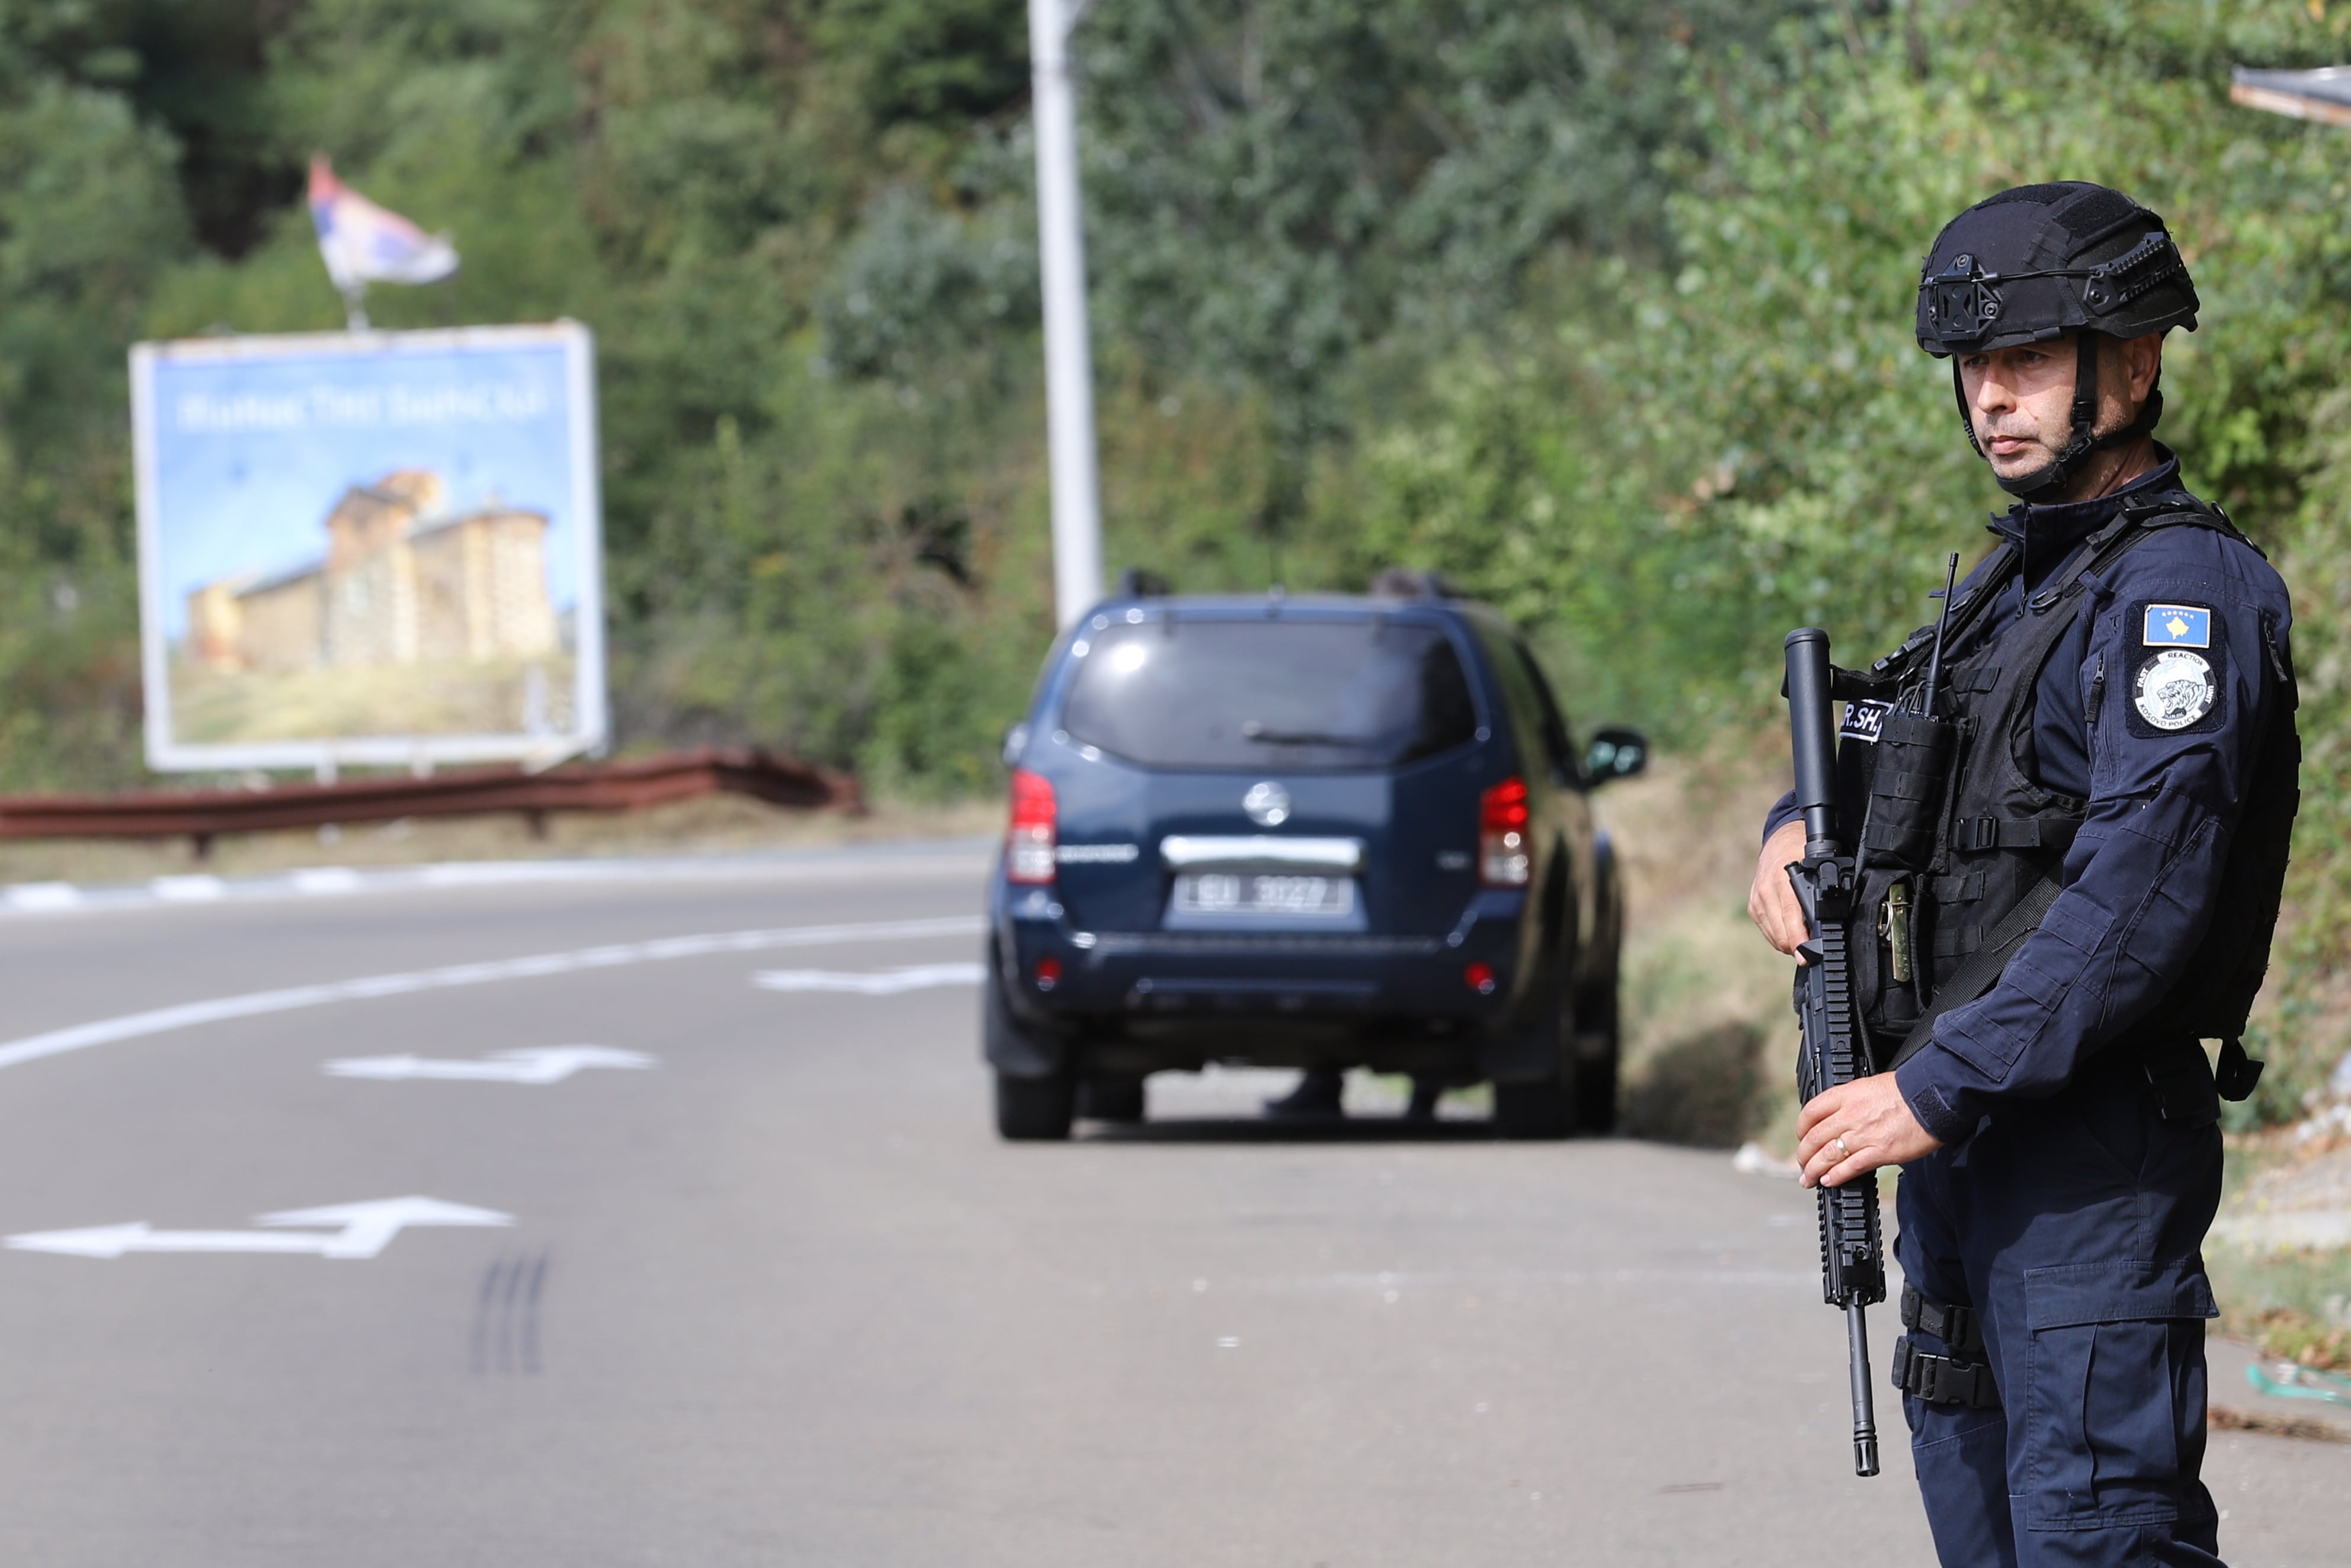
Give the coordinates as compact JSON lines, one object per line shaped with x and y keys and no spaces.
{"x":1785,"y":455}
{"x":90,"y":214}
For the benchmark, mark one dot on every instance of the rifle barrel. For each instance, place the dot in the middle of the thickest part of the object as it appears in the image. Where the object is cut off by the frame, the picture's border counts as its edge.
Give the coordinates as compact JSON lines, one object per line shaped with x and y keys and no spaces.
{"x":1812,"y":737}
{"x":1864,"y":1407}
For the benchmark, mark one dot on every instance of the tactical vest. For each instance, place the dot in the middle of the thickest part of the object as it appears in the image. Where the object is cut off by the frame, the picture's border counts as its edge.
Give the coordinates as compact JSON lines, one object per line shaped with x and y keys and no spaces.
{"x":1962,"y":850}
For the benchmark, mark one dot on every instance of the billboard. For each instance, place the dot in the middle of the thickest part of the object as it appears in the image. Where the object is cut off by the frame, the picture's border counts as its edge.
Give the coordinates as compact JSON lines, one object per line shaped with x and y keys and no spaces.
{"x":370,"y":547}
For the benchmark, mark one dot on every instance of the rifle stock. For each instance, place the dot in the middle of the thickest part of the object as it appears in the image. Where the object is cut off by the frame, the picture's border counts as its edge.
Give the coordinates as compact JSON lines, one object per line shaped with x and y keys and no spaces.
{"x":1836,"y":1051}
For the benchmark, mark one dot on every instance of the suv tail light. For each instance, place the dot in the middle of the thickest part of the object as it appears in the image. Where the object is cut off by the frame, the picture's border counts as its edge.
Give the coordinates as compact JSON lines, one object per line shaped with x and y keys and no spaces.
{"x":1501,"y":834}
{"x":1029,"y":844}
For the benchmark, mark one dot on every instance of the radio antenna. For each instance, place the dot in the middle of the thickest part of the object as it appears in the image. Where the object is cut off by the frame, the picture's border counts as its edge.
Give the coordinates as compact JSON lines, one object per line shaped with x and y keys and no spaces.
{"x":1942,"y":626}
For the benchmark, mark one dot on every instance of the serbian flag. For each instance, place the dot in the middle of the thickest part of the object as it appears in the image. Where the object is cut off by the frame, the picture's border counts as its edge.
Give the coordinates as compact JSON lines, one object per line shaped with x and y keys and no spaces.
{"x":365,"y":243}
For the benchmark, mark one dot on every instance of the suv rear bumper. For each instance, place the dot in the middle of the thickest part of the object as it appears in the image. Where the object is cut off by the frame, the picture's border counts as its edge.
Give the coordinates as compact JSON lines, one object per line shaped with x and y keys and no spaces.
{"x":1136,"y":1002}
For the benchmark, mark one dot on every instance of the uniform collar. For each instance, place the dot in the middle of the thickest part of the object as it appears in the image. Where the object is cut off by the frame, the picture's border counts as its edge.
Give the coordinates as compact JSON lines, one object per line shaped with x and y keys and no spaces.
{"x":2044,"y":536}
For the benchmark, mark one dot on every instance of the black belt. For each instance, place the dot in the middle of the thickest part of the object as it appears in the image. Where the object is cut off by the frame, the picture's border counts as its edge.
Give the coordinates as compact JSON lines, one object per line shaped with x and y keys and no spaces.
{"x":1961,"y":1378}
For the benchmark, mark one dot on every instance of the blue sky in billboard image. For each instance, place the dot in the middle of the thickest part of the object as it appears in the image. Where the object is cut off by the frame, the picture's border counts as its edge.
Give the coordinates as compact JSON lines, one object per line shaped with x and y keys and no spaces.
{"x":252,"y":453}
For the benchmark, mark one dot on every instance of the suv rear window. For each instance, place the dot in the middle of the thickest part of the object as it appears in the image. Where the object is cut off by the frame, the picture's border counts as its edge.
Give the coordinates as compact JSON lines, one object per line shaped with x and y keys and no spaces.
{"x":1250,"y":694}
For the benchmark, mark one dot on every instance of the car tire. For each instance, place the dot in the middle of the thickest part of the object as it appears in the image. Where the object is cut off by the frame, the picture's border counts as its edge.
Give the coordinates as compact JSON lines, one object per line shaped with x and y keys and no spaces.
{"x":1029,"y":1108}
{"x":1034,"y":1110}
{"x":1111,"y":1099}
{"x":1596,"y":1063}
{"x":1541,"y":1107}
{"x":1595,"y":1095}
{"x":1536,"y":1109}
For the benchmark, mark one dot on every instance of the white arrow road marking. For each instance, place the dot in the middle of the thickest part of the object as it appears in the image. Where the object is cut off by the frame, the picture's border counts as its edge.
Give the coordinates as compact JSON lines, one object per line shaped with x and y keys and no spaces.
{"x":366,"y":1229}
{"x":879,"y":983}
{"x":188,"y":1015}
{"x":540,"y":1064}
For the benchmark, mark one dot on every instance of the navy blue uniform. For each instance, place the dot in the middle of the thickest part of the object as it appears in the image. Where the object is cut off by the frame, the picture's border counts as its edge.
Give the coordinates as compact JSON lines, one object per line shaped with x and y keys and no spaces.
{"x":2065,"y":1207}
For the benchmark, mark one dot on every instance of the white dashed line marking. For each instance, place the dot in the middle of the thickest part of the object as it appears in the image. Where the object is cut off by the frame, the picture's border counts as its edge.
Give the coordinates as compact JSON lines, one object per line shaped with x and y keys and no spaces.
{"x":188,"y":889}
{"x":906,"y":858}
{"x":880,"y":983}
{"x":44,"y":895}
{"x":255,"y":1004}
{"x":537,"y":1065}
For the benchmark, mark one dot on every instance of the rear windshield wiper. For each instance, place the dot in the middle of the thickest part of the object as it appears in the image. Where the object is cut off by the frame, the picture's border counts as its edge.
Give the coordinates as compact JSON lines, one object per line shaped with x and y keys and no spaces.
{"x":1253,"y":730}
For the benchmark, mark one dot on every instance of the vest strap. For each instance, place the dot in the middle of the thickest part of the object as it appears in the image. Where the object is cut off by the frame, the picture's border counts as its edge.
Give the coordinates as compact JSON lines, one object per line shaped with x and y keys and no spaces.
{"x":1943,"y":1379}
{"x":1909,"y":786}
{"x":2237,"y":1072}
{"x":1958,"y":1327}
{"x":2183,"y":1083}
{"x":2014,"y":832}
{"x":1887,"y":675}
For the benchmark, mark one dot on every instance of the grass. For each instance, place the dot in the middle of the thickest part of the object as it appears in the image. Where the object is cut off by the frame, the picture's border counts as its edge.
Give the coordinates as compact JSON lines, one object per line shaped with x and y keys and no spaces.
{"x":2292,"y":1304}
{"x":2295,"y":1305}
{"x":1709,"y":1050}
{"x":450,"y":698}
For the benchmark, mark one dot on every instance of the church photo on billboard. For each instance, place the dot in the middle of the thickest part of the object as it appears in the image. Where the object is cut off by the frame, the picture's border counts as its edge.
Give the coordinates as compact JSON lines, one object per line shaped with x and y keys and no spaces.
{"x":370,"y":547}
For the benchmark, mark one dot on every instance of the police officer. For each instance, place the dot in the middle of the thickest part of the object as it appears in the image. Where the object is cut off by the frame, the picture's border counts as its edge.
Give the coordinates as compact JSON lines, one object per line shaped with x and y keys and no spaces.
{"x":2071,"y":869}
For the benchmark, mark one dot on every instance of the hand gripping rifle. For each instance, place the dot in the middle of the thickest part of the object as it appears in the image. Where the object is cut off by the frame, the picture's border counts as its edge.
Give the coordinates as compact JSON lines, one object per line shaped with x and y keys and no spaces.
{"x":1853,"y":1256}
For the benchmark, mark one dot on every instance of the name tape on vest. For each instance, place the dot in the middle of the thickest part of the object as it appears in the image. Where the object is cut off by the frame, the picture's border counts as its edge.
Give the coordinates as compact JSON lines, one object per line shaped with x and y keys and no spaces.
{"x":1863,"y":719}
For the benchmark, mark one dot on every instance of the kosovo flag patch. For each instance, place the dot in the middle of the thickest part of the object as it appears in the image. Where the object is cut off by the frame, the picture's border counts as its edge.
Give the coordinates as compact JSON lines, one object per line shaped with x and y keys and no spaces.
{"x":2178,"y":626}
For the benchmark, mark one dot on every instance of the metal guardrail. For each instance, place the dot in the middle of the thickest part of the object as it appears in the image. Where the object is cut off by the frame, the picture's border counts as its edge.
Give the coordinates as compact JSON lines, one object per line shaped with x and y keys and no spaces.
{"x":205,"y":814}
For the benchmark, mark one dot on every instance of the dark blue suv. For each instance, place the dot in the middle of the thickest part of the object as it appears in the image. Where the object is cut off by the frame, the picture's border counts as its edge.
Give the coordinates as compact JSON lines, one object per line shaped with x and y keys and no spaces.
{"x":1319,"y":832}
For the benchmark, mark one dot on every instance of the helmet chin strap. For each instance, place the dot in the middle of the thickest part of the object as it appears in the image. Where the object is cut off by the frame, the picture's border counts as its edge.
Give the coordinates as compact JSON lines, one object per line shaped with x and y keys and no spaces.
{"x":2080,"y":443}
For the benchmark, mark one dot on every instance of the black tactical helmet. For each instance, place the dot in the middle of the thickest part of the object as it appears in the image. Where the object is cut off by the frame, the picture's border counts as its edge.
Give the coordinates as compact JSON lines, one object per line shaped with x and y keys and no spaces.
{"x":2037,"y":262}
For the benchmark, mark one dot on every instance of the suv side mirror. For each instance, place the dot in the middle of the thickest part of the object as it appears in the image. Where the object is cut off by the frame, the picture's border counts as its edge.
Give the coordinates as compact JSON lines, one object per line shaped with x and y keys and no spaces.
{"x":1615,"y":753}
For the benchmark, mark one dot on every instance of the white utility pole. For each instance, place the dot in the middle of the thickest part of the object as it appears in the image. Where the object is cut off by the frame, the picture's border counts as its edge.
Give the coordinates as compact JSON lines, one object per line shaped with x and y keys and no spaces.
{"x":1069,"y":353}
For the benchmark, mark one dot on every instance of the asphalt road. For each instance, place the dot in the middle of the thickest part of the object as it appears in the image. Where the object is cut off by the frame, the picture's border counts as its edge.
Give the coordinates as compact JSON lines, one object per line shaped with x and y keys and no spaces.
{"x":769,"y":1290}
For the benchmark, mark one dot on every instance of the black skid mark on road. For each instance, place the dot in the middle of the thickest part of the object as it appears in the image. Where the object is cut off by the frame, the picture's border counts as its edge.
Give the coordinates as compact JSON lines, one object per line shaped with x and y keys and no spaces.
{"x":504,"y":1341}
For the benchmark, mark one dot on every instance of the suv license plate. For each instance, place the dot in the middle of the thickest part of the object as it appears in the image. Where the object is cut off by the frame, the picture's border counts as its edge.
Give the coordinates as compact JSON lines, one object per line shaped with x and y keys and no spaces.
{"x":1245,"y":893}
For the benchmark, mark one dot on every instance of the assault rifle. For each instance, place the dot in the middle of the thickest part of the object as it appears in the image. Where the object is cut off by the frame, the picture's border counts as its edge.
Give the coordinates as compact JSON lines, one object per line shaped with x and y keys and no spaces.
{"x":1836,"y":1051}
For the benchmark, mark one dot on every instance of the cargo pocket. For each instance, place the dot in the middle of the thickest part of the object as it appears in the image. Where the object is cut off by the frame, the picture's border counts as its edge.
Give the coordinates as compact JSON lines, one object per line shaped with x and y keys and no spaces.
{"x":2115,"y":1365}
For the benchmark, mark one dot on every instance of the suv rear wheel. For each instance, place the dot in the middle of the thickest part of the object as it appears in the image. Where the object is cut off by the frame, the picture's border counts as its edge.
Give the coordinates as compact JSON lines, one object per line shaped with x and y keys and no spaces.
{"x":1538,"y":1109}
{"x":1599,"y":1045}
{"x":1543,"y":1107}
{"x":1027,"y":1110}
{"x":1034,"y":1110}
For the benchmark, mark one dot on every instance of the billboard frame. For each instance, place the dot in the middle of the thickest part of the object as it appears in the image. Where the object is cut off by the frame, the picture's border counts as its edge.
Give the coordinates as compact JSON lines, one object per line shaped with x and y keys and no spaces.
{"x":590,"y":731}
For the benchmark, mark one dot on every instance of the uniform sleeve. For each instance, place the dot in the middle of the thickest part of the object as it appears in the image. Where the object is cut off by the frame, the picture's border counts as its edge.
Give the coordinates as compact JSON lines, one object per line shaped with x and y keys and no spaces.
{"x":1783,"y":810}
{"x":2178,"y":681}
